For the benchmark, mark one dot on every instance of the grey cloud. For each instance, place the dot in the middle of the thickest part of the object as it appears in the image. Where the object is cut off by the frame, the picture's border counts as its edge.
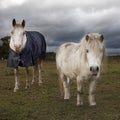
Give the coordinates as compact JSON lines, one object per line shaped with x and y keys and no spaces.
{"x":62,"y":21}
{"x":113,"y":51}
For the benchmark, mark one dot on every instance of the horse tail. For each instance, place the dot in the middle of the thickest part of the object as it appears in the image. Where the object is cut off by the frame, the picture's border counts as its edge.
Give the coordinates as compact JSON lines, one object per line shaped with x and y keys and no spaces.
{"x":43,"y":48}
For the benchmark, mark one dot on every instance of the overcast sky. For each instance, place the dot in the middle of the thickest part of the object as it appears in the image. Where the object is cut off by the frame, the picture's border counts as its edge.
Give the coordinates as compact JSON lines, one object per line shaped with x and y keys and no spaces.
{"x":61,"y":21}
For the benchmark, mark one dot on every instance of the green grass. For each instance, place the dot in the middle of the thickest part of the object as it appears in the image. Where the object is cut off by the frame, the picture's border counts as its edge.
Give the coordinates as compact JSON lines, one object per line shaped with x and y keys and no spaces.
{"x":45,"y":102}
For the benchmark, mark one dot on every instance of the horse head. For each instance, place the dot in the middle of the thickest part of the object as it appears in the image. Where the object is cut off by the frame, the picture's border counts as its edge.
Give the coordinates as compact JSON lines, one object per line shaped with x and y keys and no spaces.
{"x":94,"y":51}
{"x":18,"y":36}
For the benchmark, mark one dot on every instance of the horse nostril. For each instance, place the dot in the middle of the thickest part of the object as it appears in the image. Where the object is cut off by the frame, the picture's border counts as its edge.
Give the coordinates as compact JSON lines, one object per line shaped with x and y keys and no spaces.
{"x":91,"y":68}
{"x":97,"y":68}
{"x":19,"y":46}
{"x":94,"y":69}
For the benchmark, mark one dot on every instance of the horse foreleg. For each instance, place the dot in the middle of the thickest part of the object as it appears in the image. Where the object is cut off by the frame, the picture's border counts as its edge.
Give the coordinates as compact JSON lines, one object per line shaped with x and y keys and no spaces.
{"x":79,"y":92}
{"x":66,"y":89}
{"x":27,"y":78}
{"x":16,"y":71}
{"x":92,"y":93}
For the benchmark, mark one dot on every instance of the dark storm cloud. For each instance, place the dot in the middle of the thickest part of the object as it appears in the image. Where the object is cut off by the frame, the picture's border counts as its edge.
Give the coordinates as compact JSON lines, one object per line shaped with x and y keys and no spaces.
{"x":62,"y":21}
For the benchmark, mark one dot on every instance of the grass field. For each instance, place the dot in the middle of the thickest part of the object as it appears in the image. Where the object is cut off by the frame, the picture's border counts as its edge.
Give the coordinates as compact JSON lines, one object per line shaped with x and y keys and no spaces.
{"x":45,"y":103}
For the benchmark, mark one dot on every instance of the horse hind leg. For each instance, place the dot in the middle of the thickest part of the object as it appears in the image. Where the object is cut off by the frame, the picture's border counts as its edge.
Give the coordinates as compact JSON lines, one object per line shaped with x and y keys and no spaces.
{"x":66,"y":88}
{"x":37,"y":69}
{"x":39,"y":66}
{"x":39,"y":74}
{"x":27,"y":78}
{"x":65,"y":80}
{"x":34,"y":73}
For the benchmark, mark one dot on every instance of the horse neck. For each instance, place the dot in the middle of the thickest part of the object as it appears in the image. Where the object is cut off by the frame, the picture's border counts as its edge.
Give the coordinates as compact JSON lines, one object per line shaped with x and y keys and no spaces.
{"x":24,"y":41}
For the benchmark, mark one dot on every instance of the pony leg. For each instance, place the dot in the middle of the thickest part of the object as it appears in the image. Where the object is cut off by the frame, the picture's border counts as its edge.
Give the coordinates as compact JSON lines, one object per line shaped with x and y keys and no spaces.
{"x":16,"y":71}
{"x":79,"y":92}
{"x":39,"y":72}
{"x":66,"y":89}
{"x":61,"y":84}
{"x":27,"y":78}
{"x":92,"y":93}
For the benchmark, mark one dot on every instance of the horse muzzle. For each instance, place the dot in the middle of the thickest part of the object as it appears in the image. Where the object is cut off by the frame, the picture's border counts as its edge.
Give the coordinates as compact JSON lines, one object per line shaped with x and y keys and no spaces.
{"x":94,"y":70}
{"x":17,"y":48}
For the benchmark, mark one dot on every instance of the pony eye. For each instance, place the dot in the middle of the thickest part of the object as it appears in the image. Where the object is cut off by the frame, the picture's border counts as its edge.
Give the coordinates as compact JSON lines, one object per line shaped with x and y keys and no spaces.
{"x":12,"y":32}
{"x":87,"y":50}
{"x":24,"y":33}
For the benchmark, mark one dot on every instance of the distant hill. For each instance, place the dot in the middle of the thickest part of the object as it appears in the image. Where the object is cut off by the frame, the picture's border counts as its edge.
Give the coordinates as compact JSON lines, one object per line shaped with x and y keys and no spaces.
{"x":50,"y":56}
{"x":4,"y":50}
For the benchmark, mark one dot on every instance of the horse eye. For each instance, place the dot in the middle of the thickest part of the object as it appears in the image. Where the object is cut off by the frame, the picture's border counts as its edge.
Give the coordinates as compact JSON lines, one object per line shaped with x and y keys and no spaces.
{"x":87,"y":50}
{"x":12,"y":32}
{"x":24,"y":33}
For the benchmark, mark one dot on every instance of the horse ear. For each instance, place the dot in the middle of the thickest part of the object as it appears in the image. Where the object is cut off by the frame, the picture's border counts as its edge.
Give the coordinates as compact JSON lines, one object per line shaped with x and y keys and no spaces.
{"x":87,"y":37}
{"x":101,"y":38}
{"x":23,"y":23}
{"x":14,"y":22}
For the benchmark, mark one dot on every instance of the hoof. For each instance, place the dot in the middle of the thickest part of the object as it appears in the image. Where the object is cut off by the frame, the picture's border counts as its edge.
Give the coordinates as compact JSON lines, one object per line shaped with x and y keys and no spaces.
{"x":32,"y":82}
{"x":80,"y":106}
{"x":93,"y":106}
{"x":15,"y":90}
{"x":28,"y":86}
{"x":40,"y":83}
{"x":66,"y":100}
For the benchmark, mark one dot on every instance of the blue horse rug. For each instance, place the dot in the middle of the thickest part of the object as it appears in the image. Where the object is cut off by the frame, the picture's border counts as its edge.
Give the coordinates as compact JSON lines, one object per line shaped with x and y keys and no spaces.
{"x":35,"y":48}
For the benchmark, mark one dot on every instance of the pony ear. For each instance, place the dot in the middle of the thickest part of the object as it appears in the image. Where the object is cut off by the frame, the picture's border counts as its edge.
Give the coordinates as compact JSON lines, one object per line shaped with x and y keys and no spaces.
{"x":101,"y":38}
{"x":23,"y":23}
{"x":87,"y":37}
{"x":14,"y":22}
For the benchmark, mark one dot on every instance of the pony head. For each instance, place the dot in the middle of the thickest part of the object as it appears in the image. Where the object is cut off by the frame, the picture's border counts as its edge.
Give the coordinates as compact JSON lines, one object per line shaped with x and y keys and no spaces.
{"x":18,"y":36}
{"x":94,"y":51}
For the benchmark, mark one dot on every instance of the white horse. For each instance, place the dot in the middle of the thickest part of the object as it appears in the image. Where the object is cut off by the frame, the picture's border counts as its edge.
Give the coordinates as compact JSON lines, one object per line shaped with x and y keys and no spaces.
{"x":27,"y":48}
{"x":81,"y":61}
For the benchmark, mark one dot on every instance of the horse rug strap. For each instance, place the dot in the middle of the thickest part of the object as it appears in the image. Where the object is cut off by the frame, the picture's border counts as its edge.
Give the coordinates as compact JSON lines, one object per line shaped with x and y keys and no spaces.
{"x":35,"y":48}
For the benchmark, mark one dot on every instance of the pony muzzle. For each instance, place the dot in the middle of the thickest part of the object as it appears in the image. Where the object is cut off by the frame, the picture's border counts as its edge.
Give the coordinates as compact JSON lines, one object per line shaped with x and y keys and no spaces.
{"x":94,"y":70}
{"x":17,"y":48}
